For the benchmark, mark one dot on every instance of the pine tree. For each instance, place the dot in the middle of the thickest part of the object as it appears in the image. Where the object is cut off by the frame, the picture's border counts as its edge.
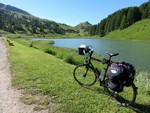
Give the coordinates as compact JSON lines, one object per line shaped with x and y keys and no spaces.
{"x":130,"y":17}
{"x":92,"y":30}
{"x":97,"y":32}
{"x":119,"y":17}
{"x":102,"y":27}
{"x":133,"y":15}
{"x":123,"y":22}
{"x":146,"y":12}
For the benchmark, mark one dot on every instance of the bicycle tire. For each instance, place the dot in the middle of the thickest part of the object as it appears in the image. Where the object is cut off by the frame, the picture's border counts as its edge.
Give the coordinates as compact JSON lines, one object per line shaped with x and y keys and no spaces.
{"x":125,"y":98}
{"x":84,"y":75}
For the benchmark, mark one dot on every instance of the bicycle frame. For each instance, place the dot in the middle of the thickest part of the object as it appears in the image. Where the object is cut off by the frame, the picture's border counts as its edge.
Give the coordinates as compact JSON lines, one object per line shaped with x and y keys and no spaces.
{"x":105,"y":61}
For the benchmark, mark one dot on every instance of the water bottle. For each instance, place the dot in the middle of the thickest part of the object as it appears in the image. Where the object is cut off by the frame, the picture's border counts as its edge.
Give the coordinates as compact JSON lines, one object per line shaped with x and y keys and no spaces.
{"x":97,"y":73}
{"x":102,"y":75}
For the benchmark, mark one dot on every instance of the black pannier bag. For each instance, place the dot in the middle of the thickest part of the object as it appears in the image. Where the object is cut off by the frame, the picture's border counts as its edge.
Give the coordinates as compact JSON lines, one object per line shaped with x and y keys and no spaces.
{"x":131,"y":74}
{"x":119,"y":75}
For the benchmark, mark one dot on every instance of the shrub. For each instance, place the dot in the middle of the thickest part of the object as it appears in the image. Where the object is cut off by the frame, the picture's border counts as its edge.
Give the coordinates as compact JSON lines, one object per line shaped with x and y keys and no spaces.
{"x":31,"y":44}
{"x":48,"y":50}
{"x":70,"y":60}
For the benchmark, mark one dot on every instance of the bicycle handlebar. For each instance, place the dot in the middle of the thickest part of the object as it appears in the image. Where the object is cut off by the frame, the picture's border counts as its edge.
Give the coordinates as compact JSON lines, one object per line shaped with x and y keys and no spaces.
{"x":89,"y":50}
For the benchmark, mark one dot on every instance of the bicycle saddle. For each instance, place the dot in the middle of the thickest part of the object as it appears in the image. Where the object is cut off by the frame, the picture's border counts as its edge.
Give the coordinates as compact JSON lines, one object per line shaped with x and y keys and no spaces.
{"x":112,"y":54}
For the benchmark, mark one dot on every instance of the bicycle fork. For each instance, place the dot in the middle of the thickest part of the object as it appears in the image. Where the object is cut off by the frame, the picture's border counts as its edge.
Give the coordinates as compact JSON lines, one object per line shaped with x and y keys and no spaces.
{"x":98,"y":73}
{"x":87,"y":68}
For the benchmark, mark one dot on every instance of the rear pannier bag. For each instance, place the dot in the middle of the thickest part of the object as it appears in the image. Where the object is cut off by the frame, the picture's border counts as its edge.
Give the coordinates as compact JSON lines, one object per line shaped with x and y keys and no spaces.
{"x":131,"y":73}
{"x":119,"y":75}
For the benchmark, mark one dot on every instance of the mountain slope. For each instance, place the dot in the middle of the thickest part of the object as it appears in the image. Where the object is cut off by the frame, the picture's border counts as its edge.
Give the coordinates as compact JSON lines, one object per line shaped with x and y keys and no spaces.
{"x":28,"y":24}
{"x":138,"y":31}
{"x":13,"y":9}
{"x":17,"y":21}
{"x":14,"y":22}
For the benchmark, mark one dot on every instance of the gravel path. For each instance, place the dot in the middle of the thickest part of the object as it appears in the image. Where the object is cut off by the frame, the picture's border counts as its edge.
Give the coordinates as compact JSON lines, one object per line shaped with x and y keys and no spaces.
{"x":9,"y":96}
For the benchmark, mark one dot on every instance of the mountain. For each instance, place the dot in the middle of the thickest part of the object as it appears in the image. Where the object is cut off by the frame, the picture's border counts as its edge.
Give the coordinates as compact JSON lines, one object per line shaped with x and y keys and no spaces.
{"x":13,"y":9}
{"x":84,"y":26}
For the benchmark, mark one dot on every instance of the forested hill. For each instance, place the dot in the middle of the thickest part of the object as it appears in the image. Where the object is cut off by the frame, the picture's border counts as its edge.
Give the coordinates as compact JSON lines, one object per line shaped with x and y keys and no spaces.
{"x":121,"y":20}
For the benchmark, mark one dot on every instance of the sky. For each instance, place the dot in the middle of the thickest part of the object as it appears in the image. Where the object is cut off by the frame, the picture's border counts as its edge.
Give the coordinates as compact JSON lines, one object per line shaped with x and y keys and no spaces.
{"x":72,"y":12}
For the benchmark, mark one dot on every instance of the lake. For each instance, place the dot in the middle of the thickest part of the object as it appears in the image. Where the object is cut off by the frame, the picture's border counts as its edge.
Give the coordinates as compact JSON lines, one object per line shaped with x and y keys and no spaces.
{"x":135,"y":52}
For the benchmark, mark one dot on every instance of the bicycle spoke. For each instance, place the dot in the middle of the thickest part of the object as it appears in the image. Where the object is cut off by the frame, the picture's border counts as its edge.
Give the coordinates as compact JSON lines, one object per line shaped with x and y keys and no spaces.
{"x":84,"y":75}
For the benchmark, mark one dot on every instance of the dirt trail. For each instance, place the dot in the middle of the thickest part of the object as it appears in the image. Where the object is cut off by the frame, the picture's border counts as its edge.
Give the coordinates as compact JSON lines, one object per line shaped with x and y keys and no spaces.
{"x":9,"y":96}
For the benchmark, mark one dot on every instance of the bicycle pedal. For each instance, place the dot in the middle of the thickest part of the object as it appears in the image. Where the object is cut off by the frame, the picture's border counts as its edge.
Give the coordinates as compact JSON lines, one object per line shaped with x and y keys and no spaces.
{"x":102,"y":83}
{"x":98,"y":79}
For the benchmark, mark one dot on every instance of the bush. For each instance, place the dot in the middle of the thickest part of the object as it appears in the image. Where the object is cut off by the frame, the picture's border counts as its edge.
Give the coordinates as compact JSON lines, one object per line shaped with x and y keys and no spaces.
{"x":48,"y":50}
{"x":70,"y":60}
{"x":31,"y":44}
{"x":60,"y":55}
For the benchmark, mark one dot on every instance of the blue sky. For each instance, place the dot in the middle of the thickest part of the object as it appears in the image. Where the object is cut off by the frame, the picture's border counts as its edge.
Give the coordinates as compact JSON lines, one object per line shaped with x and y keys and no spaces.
{"x":72,"y":12}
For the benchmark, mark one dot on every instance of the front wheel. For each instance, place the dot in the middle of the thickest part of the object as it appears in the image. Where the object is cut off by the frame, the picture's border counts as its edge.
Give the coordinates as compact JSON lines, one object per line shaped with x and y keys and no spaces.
{"x":125,"y":98}
{"x":84,"y":75}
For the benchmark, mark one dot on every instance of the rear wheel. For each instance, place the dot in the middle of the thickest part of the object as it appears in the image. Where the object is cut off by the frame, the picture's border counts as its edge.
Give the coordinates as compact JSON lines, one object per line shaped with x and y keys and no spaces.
{"x":125,"y":98}
{"x":84,"y":75}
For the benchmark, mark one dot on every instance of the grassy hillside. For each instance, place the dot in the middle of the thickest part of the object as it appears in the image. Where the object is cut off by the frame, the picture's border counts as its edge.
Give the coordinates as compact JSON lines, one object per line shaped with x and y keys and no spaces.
{"x":40,"y":74}
{"x":138,"y":31}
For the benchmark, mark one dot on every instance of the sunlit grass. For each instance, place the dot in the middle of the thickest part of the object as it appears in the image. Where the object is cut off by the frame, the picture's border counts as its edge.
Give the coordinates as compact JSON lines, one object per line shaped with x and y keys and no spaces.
{"x":38,"y":73}
{"x":138,"y":31}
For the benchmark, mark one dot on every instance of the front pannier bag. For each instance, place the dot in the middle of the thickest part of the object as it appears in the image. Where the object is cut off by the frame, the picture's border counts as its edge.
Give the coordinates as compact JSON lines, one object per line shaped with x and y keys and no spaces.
{"x":120,"y":74}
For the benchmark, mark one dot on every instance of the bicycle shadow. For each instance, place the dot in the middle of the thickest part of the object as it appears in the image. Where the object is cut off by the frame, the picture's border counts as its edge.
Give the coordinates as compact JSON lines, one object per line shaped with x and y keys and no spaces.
{"x":140,"y":108}
{"x":95,"y":89}
{"x":136,"y":107}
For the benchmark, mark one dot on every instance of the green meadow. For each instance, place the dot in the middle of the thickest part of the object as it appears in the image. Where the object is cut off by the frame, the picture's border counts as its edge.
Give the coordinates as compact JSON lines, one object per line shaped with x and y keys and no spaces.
{"x":137,"y":31}
{"x":44,"y":74}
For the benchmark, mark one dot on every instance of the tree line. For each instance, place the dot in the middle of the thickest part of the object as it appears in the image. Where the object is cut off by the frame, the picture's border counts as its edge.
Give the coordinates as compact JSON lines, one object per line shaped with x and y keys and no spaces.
{"x":121,"y":19}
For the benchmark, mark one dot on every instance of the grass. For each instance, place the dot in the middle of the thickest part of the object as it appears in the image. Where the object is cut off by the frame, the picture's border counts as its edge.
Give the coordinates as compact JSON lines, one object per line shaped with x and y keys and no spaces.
{"x":37,"y":73}
{"x":138,"y":31}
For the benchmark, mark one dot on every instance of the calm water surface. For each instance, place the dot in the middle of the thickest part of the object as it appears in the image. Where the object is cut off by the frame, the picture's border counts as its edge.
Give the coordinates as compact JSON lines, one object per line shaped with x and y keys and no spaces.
{"x":135,"y":52}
